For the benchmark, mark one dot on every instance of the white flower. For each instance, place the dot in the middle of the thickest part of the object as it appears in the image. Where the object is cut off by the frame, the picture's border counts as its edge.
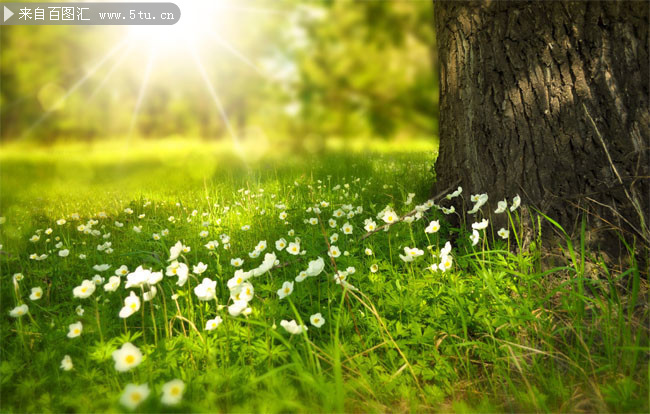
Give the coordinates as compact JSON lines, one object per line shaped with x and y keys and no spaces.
{"x":150,"y":294}
{"x":347,"y":228}
{"x":450,"y":210}
{"x":445,"y":263}
{"x":334,"y":252}
{"x":204,"y":234}
{"x":411,"y":254}
{"x":206,"y":290}
{"x":237,"y":307}
{"x":292,"y":327}
{"x":113,"y":284}
{"x":475,"y":237}
{"x":334,"y":238}
{"x":19,"y":311}
{"x":374,"y":268}
{"x":503,"y":233}
{"x":481,"y":225}
{"x":479,"y":201}
{"x":84,"y":290}
{"x":433,"y":227}
{"x":501,"y":207}
{"x":332,"y":223}
{"x":79,"y":310}
{"x":133,"y":395}
{"x":390,"y":216}
{"x":515,"y":203}
{"x":283,"y":215}
{"x":74,"y":329}
{"x":317,"y":320}
{"x":239,"y":278}
{"x":313,"y":221}
{"x":64,"y":253}
{"x":261,"y":246}
{"x":213,"y":323}
{"x":137,"y":229}
{"x":199,"y":268}
{"x":237,"y":262}
{"x":127,"y":357}
{"x":178,"y":269}
{"x":315,"y":267}
{"x":287,"y":288}
{"x":175,"y":251}
{"x":118,"y":224}
{"x":60,"y":222}
{"x":122,"y":271}
{"x":254,"y":254}
{"x":154,"y":277}
{"x":456,"y":193}
{"x":446,"y":250}
{"x":370,"y":225}
{"x":245,"y":227}
{"x":280,"y":244}
{"x":155,"y":236}
{"x":66,"y":363}
{"x":101,"y":267}
{"x":34,"y":238}
{"x":368,"y":251}
{"x":293,"y":248}
{"x":212,"y":245}
{"x":37,"y":293}
{"x":243,"y":292}
{"x":173,"y":391}
{"x":131,"y":306}
{"x":137,"y":278}
{"x":301,"y":276}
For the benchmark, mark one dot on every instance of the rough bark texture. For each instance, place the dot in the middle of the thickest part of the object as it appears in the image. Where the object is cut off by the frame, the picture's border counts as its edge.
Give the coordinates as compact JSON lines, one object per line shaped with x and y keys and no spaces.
{"x":527,"y":91}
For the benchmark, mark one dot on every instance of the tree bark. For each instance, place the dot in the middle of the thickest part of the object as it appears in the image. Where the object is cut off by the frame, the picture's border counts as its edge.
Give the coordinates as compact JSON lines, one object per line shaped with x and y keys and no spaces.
{"x":549,"y":100}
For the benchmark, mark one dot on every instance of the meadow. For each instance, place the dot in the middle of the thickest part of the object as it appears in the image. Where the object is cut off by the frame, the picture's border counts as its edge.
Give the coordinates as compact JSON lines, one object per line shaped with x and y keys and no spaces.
{"x":176,"y":276}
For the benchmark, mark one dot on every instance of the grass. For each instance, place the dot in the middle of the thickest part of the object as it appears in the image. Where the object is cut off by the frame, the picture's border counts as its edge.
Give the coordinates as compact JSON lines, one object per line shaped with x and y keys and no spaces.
{"x":496,"y":332}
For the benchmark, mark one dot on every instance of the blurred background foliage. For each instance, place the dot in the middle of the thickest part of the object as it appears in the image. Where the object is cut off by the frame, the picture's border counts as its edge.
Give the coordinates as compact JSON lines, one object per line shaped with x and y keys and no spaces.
{"x":292,"y":72}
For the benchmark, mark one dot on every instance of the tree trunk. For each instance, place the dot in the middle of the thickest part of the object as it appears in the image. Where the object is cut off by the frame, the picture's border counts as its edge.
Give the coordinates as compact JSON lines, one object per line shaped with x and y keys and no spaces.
{"x":548,"y":100}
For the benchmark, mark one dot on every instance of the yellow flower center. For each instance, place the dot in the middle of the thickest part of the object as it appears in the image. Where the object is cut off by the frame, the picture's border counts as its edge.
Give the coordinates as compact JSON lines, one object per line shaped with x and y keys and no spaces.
{"x":83,"y":290}
{"x":287,"y":290}
{"x":133,"y":306}
{"x":76,"y":331}
{"x":136,"y":397}
{"x":129,"y":359}
{"x":176,"y":390}
{"x":316,"y":320}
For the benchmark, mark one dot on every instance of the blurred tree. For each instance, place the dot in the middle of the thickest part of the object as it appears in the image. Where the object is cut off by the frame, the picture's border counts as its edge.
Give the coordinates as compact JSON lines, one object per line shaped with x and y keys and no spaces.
{"x":548,"y":100}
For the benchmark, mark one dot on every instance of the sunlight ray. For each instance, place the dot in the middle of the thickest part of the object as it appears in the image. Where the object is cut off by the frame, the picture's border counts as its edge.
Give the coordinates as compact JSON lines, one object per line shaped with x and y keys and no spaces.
{"x":215,"y":97}
{"x":77,"y":85}
{"x":141,"y":92}
{"x":232,"y":49}
{"x":115,"y":65}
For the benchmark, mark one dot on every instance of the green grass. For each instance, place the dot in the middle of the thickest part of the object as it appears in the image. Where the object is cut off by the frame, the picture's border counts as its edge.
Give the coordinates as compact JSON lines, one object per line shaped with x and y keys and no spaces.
{"x":496,"y":332}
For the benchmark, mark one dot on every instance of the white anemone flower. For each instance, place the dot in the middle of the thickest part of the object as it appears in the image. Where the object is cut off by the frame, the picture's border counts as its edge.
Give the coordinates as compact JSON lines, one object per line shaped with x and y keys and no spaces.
{"x":74,"y":329}
{"x":481,"y":225}
{"x":127,"y":357}
{"x":66,"y":363}
{"x":317,"y":320}
{"x":131,"y":306}
{"x":206,"y":290}
{"x":84,"y":290}
{"x":19,"y":311}
{"x":173,"y":391}
{"x":503,"y":233}
{"x":199,"y":268}
{"x":213,"y":323}
{"x":315,"y":267}
{"x":285,"y":290}
{"x":515,"y":203}
{"x":37,"y":293}
{"x":133,"y":395}
{"x":501,"y":207}
{"x":433,"y":227}
{"x":292,"y":327}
